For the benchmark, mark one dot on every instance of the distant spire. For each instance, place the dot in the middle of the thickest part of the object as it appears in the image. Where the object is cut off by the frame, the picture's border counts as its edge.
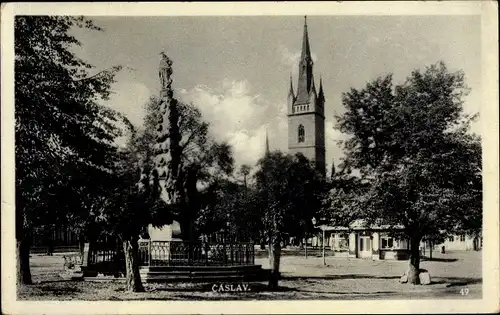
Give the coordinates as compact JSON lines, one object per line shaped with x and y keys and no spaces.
{"x":267,"y":143}
{"x":320,"y":92}
{"x":290,"y":92}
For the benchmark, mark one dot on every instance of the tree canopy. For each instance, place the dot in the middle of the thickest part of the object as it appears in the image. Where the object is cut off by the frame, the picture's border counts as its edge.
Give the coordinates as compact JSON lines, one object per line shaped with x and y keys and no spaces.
{"x":289,"y":192}
{"x":411,"y":146}
{"x":64,"y":136}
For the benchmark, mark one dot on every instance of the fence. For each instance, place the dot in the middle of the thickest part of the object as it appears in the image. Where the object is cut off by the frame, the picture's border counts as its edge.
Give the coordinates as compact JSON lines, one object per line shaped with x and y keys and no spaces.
{"x":105,"y":258}
{"x":109,"y":258}
{"x":175,"y":253}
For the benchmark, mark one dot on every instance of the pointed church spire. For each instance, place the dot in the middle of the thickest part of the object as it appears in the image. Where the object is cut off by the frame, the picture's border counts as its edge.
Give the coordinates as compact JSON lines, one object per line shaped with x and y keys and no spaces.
{"x":332,"y":174}
{"x":267,"y":143}
{"x":306,"y":50}
{"x":290,"y":92}
{"x":305,"y":69}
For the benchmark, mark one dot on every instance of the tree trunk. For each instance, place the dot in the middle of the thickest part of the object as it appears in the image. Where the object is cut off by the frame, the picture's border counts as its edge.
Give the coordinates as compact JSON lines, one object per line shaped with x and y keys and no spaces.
{"x":274,"y":260}
{"x":81,"y":243}
{"x":476,"y":243}
{"x":185,"y":224}
{"x":263,"y":242}
{"x":414,"y":266}
{"x":133,"y":277}
{"x":191,"y":203}
{"x":50,"y":242}
{"x":23,"y":262}
{"x":430,"y":250}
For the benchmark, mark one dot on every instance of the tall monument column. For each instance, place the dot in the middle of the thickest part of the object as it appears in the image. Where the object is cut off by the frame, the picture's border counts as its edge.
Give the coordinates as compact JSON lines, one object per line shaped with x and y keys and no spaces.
{"x":167,"y":148}
{"x":167,"y":135}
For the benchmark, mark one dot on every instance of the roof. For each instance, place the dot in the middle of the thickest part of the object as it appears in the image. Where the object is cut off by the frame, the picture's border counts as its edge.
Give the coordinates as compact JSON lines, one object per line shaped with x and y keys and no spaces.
{"x":359,"y":225}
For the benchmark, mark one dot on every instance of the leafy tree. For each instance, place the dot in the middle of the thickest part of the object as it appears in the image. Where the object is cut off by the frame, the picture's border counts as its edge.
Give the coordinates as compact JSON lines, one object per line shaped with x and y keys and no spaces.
{"x":249,"y":218}
{"x":131,"y":203}
{"x":229,"y":207}
{"x":249,"y":215}
{"x":61,"y":129}
{"x":203,"y":162}
{"x":342,"y":203}
{"x":219,"y":207}
{"x":287,"y":189}
{"x":410,"y":144}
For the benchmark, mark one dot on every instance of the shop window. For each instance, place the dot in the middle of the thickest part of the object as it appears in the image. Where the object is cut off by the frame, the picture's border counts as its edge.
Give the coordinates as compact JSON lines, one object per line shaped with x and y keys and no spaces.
{"x":340,"y":241}
{"x":343,"y":244}
{"x":387,"y":242}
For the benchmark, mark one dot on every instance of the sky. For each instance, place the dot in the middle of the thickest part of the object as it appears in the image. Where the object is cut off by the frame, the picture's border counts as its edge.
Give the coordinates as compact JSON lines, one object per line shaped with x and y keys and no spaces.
{"x":236,"y":69}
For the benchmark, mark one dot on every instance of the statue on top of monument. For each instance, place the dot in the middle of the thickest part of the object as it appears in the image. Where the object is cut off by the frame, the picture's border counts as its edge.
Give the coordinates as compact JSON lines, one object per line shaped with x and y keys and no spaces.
{"x":165,"y":71}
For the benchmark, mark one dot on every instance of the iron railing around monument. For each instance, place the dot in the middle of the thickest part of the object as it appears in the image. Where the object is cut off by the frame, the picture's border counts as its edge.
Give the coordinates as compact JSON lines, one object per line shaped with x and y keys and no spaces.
{"x":179,"y":253}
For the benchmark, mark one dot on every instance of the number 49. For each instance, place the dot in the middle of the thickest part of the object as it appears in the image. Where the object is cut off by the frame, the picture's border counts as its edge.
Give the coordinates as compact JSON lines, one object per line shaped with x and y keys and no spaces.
{"x":464,"y":291}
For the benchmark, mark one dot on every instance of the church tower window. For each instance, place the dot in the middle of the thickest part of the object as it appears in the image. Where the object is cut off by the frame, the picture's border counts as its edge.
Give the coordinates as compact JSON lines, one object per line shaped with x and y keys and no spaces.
{"x":302,"y":134}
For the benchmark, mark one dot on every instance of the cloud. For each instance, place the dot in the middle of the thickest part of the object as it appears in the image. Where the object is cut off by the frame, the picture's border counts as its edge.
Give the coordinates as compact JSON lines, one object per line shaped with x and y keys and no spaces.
{"x":235,"y":113}
{"x":241,"y":118}
{"x":129,"y":97}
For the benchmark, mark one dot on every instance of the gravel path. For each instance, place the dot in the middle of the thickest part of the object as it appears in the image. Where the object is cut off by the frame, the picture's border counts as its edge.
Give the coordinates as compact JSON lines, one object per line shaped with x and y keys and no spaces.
{"x":341,"y":278}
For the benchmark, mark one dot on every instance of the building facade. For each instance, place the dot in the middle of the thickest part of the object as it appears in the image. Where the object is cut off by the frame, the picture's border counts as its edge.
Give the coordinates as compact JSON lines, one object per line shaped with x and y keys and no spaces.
{"x":361,"y":241}
{"x":459,"y":242}
{"x":377,"y":243}
{"x":306,"y":114}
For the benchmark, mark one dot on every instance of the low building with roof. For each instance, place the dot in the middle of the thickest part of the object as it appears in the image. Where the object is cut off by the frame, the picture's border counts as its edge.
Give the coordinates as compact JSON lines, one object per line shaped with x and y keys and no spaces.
{"x":362,"y":241}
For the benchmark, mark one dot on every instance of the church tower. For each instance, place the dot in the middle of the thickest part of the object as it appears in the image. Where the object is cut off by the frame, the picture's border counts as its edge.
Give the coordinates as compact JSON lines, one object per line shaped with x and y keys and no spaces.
{"x":306,"y":114}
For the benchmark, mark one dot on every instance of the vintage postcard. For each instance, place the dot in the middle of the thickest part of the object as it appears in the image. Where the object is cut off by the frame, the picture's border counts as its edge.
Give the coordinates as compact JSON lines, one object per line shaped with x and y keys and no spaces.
{"x":202,"y":158}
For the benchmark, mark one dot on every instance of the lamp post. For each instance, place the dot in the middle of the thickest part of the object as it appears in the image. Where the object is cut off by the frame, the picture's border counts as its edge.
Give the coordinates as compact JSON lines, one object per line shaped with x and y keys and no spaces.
{"x":313,"y":220}
{"x":305,"y":245}
{"x":323,"y":243}
{"x":323,"y":228}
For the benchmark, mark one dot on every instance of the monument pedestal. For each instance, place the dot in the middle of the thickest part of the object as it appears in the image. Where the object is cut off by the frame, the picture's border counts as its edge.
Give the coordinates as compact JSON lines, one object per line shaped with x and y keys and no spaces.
{"x":168,"y":232}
